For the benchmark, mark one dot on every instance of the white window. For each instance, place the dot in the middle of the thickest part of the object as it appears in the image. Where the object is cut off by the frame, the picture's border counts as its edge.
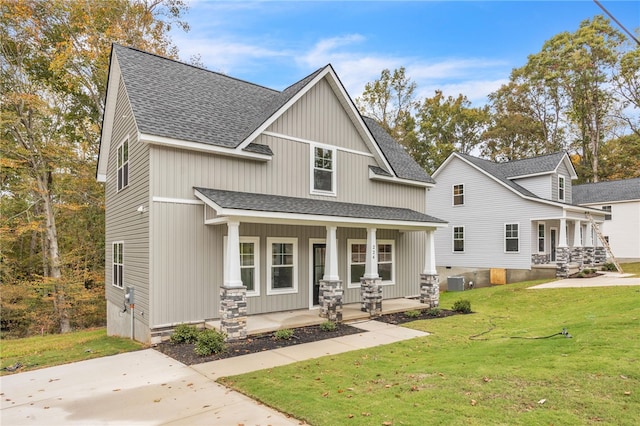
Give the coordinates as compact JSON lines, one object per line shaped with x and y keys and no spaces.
{"x":458,"y":239}
{"x":511,"y":237}
{"x":561,"y":188}
{"x":118,"y":264}
{"x":249,"y":264}
{"x":458,"y":195}
{"x":123,"y":165}
{"x":358,"y":256}
{"x":323,"y":168}
{"x":282,"y":261}
{"x":608,"y":215}
{"x":541,"y":242}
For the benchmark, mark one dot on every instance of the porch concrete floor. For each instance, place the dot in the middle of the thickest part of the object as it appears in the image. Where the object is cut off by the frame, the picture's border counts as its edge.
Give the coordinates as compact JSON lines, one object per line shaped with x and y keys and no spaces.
{"x":264,"y":323}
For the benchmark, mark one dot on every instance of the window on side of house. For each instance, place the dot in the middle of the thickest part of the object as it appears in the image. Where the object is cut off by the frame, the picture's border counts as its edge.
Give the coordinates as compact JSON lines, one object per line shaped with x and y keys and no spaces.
{"x":118,"y":264}
{"x":561,"y":188}
{"x":541,"y":241}
{"x":323,"y":179}
{"x":458,"y":195}
{"x":358,"y":256}
{"x":282,"y":261}
{"x":123,"y":165}
{"x":511,"y":238}
{"x":607,"y":209}
{"x":250,"y":264}
{"x":458,"y":239}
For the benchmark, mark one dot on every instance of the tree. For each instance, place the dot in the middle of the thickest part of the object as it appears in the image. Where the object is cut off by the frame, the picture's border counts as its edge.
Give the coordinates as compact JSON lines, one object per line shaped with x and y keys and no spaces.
{"x":621,"y":158}
{"x":446,"y":125}
{"x":54,"y":69}
{"x":627,"y":86}
{"x":390,"y":101}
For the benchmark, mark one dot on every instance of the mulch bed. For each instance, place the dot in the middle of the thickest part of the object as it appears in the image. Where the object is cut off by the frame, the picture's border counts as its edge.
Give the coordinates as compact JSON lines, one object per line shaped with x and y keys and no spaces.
{"x":184,"y":352}
{"x":583,"y":275}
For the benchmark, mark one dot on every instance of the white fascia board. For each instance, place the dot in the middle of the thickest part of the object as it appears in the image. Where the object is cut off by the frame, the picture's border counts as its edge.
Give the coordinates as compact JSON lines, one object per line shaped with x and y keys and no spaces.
{"x":399,"y":181}
{"x":108,"y":118}
{"x":201,"y":147}
{"x":595,"y":203}
{"x":572,"y":170}
{"x":445,"y":162}
{"x":531,"y":175}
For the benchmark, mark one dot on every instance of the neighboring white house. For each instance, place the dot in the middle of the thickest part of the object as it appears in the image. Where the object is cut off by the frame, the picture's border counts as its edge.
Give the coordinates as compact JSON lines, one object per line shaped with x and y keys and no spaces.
{"x":516,"y":216}
{"x":620,"y":199}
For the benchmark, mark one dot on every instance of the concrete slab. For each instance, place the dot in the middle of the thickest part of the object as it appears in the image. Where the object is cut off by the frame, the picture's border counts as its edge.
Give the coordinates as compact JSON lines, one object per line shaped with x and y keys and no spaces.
{"x":608,"y":279}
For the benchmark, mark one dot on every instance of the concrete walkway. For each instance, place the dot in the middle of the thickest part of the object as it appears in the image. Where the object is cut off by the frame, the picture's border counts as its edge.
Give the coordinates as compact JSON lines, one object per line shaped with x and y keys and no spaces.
{"x":608,"y":279}
{"x":148,"y":388}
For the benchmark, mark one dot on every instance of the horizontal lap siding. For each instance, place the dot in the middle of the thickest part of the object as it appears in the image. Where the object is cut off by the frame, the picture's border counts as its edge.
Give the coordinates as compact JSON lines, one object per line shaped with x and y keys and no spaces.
{"x":539,"y":185}
{"x":123,"y":221}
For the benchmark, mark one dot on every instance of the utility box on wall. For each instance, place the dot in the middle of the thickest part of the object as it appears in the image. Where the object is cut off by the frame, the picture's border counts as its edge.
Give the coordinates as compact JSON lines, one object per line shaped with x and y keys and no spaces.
{"x":455,"y":283}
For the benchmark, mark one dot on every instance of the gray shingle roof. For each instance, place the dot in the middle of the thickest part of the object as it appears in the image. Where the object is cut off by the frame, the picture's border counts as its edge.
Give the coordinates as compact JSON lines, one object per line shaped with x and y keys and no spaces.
{"x":184,"y":102}
{"x":531,"y":166}
{"x":498,"y":171}
{"x":282,"y":204}
{"x":602,"y":192}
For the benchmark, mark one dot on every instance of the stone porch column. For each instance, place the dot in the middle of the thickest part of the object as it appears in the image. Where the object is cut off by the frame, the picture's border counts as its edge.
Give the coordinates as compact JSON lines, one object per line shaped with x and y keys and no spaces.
{"x":562,"y":251}
{"x":233,"y":295}
{"x":576,"y":250}
{"x":331,"y":290}
{"x":589,"y":250}
{"x":370,"y":283}
{"x":429,"y":281}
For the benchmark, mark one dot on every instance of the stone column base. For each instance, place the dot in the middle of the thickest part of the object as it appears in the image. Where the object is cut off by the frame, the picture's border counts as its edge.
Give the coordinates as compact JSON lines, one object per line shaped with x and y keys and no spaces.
{"x":371,"y":296}
{"x":233,"y":312}
{"x":576,"y":256}
{"x":430,"y":290}
{"x":330,"y":300}
{"x":589,"y":256}
{"x":600,"y":255}
{"x":562,"y":262}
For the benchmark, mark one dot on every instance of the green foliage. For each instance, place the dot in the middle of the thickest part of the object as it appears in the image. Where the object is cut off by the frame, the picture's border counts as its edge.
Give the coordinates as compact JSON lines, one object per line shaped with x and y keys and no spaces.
{"x":209,"y":342}
{"x":284,"y":334}
{"x":463,"y":306}
{"x":412,"y":314}
{"x":184,"y":333}
{"x":609,"y":267}
{"x":434,"y":312}
{"x":328,"y":326}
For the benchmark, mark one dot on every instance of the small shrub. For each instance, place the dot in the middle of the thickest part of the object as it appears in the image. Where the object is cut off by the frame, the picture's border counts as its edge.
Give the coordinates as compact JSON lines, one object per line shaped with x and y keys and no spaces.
{"x":434,"y":312}
{"x":209,"y":342}
{"x":328,"y":326}
{"x":609,"y":267}
{"x":284,"y":334}
{"x":412,"y":314}
{"x":462,"y":306}
{"x":580,"y":275}
{"x":184,"y":333}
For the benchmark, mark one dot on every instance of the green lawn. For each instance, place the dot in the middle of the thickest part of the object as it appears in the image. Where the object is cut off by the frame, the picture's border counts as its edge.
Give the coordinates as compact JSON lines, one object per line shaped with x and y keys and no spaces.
{"x":501,"y":376}
{"x":46,"y":351}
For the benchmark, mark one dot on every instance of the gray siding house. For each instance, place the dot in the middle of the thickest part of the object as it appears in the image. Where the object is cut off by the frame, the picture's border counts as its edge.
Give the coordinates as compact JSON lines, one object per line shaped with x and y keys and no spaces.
{"x":517,"y":216}
{"x":226,"y":199}
{"x":620,"y":199}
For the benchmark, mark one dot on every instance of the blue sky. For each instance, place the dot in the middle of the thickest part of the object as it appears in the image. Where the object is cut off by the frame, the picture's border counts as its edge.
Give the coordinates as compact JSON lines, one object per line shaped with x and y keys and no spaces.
{"x":467,"y":47}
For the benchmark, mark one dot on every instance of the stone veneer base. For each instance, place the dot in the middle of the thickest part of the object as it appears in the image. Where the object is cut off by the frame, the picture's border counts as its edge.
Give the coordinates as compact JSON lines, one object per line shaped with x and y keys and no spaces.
{"x":330,"y":300}
{"x":371,"y":296}
{"x":430,"y":290}
{"x":233,"y":312}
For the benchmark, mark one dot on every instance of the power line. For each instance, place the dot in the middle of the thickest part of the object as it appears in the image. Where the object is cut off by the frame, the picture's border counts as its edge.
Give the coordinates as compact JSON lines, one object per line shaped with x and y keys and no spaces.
{"x":617,"y":22}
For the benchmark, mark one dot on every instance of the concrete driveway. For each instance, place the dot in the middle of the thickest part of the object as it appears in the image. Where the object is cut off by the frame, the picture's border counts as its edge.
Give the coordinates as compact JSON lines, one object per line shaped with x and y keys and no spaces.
{"x":608,"y":279}
{"x":135,"y":388}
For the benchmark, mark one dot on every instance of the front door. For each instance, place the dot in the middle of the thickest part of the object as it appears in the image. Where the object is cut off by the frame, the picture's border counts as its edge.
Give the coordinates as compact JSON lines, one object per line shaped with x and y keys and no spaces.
{"x":319,"y":251}
{"x":553,"y":244}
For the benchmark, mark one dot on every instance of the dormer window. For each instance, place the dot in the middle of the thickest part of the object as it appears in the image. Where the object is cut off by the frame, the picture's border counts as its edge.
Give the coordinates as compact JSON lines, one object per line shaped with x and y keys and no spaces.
{"x":561,"y":188}
{"x":323,"y":179}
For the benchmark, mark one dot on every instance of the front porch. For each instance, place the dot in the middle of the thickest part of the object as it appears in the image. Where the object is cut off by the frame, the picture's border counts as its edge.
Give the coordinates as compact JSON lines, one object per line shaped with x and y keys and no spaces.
{"x":352,"y":312}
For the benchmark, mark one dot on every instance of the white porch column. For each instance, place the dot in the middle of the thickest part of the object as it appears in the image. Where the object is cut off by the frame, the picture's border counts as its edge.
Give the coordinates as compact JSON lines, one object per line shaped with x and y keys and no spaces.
{"x":371,"y":264}
{"x":331,"y":256}
{"x":232,"y":276}
{"x":576,"y":233}
{"x":562,"y":238}
{"x":430,"y":255}
{"x":588,"y":240}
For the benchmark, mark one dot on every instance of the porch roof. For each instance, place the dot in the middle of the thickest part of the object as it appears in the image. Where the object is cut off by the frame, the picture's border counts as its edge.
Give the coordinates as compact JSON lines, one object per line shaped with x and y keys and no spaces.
{"x":256,"y":207}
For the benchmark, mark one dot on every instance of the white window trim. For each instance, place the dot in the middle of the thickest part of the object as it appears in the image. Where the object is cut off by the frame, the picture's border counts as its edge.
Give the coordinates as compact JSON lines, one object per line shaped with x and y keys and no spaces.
{"x":334,"y":172}
{"x":453,"y":239}
{"x":453,"y":195}
{"x":128,"y":163}
{"x":269,"y":255}
{"x":504,"y":237}
{"x":113,"y":263}
{"x":256,"y":264}
{"x":378,"y":243}
{"x":544,"y":237}
{"x":564,"y":187}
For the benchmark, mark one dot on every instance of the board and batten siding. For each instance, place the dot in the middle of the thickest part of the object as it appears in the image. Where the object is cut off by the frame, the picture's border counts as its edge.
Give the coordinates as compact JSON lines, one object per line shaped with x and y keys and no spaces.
{"x":488,"y":206}
{"x":124,"y":223}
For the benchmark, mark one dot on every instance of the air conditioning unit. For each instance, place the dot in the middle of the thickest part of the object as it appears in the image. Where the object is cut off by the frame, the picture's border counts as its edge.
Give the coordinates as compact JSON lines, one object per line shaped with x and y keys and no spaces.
{"x":455,"y":283}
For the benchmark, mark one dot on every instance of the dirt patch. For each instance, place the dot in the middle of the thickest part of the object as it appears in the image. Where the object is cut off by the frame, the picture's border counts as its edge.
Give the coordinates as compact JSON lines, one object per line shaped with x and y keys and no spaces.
{"x":184,"y":353}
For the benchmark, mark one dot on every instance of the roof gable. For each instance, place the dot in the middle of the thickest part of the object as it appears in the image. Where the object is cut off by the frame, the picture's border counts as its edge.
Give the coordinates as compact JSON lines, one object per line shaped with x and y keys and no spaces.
{"x":609,"y":191}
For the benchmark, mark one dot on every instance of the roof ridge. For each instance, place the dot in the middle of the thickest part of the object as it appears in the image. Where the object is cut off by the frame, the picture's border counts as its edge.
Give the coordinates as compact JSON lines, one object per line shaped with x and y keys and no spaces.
{"x":606,"y":181}
{"x":179,"y":62}
{"x":536,"y":157}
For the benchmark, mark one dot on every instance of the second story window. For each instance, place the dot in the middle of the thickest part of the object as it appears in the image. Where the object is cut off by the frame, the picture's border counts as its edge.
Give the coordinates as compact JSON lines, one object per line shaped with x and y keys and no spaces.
{"x":323,"y":178}
{"x":561,"y":188}
{"x":607,"y":209}
{"x":458,"y":195}
{"x":123,"y":165}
